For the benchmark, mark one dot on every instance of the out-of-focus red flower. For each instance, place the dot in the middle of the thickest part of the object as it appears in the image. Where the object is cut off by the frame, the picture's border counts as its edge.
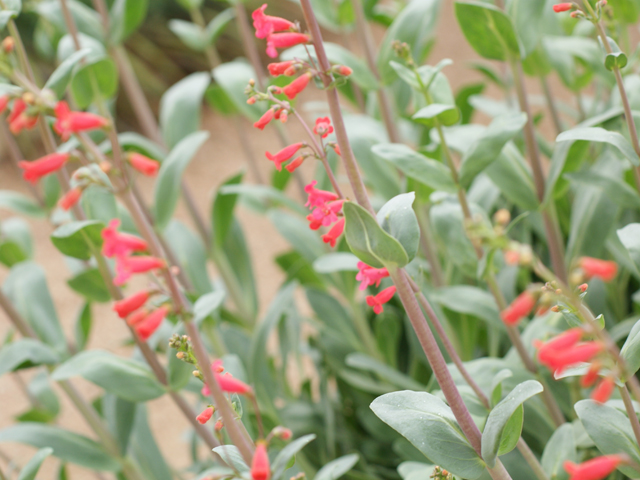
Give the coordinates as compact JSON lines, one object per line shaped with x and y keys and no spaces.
{"x":4,"y":101}
{"x":284,"y":40}
{"x":285,"y":154}
{"x":260,"y":468}
{"x":317,"y":198}
{"x":519,"y":308}
{"x":143,"y":164}
{"x":226,"y":381}
{"x":265,"y":119}
{"x":604,"y":390}
{"x":295,"y":164}
{"x":136,"y":317}
{"x":34,"y":171}
{"x":128,"y":305}
{"x":68,"y":122}
{"x":127,"y":266}
{"x":70,"y":198}
{"x":377,"y":301}
{"x":562,"y":7}
{"x":265,"y":25}
{"x":323,"y":127}
{"x":331,"y":237}
{"x":281,"y":68}
{"x":205,"y":416}
{"x":325,"y":215}
{"x":594,"y":469}
{"x":606,"y":270}
{"x":119,"y":244}
{"x":151,"y":322}
{"x":370,"y":276}
{"x":298,"y":85}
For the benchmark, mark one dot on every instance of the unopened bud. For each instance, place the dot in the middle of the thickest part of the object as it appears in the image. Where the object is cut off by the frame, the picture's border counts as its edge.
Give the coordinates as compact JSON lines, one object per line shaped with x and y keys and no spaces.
{"x":251,"y":100}
{"x":284,"y":116}
{"x":558,"y":291}
{"x":29,"y":98}
{"x":526,"y":255}
{"x":197,"y":374}
{"x":175,"y":270}
{"x":583,"y":287}
{"x":344,"y":70}
{"x":502,"y":217}
{"x":219,"y":426}
{"x":105,"y":166}
{"x":252,"y":82}
{"x":555,"y":308}
{"x":576,"y":277}
{"x":8,"y":44}
{"x":282,"y":433}
{"x":181,"y":355}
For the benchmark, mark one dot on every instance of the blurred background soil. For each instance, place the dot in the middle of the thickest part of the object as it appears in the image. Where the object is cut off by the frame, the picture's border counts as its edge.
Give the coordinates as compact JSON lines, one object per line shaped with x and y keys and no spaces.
{"x":220,"y":157}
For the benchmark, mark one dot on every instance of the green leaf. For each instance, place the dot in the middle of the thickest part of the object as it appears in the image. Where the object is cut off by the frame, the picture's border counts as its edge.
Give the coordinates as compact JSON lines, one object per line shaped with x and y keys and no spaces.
{"x":630,"y":238}
{"x":87,"y":20}
{"x":389,"y":374}
{"x":615,"y":60}
{"x":180,"y":108}
{"x":528,"y":18}
{"x":560,"y":448}
{"x":369,"y":242}
{"x":337,"y":468}
{"x":445,"y":114}
{"x":469,"y":300}
{"x":168,"y":185}
{"x":30,"y":470}
{"x":234,"y":77}
{"x":19,"y":203}
{"x":597,"y":134}
{"x":145,"y":451}
{"x":192,"y":35}
{"x":191,"y":254}
{"x":336,"y":262}
{"x":413,"y":413}
{"x":592,"y":220}
{"x":12,"y":10}
{"x":488,"y":30}
{"x":287,"y":453}
{"x":124,"y":378}
{"x":179,"y":373}
{"x":25,"y":353}
{"x":447,"y":224}
{"x":207,"y":304}
{"x":630,"y":350}
{"x":99,"y":204}
{"x":487,"y":148}
{"x":78,"y":239}
{"x":90,"y":284}
{"x":611,"y":431}
{"x":125,"y":18}
{"x":397,"y":218}
{"x":67,"y":446}
{"x":217,"y":25}
{"x":26,"y":287}
{"x":231,"y":456}
{"x":616,"y":190}
{"x":495,"y":428}
{"x":422,"y":169}
{"x":97,"y":79}
{"x":82,"y":327}
{"x":297,"y":232}
{"x":61,"y":76}
{"x":416,"y":25}
{"x":222,"y":211}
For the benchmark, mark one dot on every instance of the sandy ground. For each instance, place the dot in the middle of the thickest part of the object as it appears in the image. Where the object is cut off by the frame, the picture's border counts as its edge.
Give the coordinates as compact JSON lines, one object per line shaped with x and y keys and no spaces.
{"x":218,"y":159}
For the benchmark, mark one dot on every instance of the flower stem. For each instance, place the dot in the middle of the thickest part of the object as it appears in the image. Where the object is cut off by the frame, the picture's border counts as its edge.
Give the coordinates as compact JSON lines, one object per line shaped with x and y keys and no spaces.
{"x":551,"y":104}
{"x":631,"y":412}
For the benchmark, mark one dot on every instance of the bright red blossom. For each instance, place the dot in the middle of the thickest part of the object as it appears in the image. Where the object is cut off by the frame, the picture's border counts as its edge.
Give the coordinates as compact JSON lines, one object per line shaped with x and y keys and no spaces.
{"x":297,"y":86}
{"x":562,"y":7}
{"x":284,"y":40}
{"x":595,"y":469}
{"x":226,"y":381}
{"x":323,"y":127}
{"x":377,"y":301}
{"x":128,"y":305}
{"x":265,"y":25}
{"x":136,"y":317}
{"x":560,"y":359}
{"x":70,"y":198}
{"x":282,"y":68}
{"x":331,"y":237}
{"x":370,"y":275}
{"x":519,"y":308}
{"x":285,"y":154}
{"x":318,"y":198}
{"x":119,"y":244}
{"x":145,"y":165}
{"x":604,"y":390}
{"x":260,"y":468}
{"x":69,"y":122}
{"x":325,"y":215}
{"x":34,"y":171}
{"x":265,"y":119}
{"x":205,"y":416}
{"x":151,"y":322}
{"x":127,"y":266}
{"x":295,"y":164}
{"x":589,"y":378}
{"x":606,"y":270}
{"x":4,"y":101}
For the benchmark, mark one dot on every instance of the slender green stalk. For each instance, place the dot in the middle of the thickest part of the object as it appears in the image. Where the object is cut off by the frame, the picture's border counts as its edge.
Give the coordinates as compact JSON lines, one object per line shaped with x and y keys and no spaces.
{"x":631,"y":412}
{"x":551,"y":104}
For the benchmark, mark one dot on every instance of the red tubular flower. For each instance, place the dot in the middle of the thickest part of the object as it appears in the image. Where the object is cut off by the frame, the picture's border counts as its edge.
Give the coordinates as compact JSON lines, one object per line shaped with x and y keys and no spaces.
{"x":34,"y":171}
{"x":582,"y":352}
{"x":120,"y":244}
{"x":4,"y":101}
{"x":205,"y":416}
{"x":127,"y":266}
{"x":297,"y":86}
{"x":70,"y":198}
{"x":145,"y":165}
{"x":19,"y":106}
{"x":150,"y":324}
{"x":606,"y":270}
{"x":136,"y":317}
{"x":265,"y":119}
{"x":317,"y":198}
{"x":594,"y":469}
{"x":604,"y":390}
{"x":326,"y":214}
{"x":323,"y":127}
{"x":562,"y":7}
{"x":377,"y":301}
{"x":69,"y":122}
{"x":285,"y":154}
{"x":281,"y":68}
{"x":589,"y":378}
{"x":295,"y":164}
{"x":519,"y":308}
{"x":370,"y":276}
{"x":344,"y":70}
{"x":284,"y":40}
{"x":265,"y":25}
{"x":260,"y":468}
{"x":22,"y":122}
{"x":332,"y":235}
{"x":226,"y":381}
{"x":563,"y":341}
{"x":128,"y":305}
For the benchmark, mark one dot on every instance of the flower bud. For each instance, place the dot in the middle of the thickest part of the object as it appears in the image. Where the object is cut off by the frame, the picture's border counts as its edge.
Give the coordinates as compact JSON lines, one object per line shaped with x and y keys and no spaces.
{"x":8,"y":44}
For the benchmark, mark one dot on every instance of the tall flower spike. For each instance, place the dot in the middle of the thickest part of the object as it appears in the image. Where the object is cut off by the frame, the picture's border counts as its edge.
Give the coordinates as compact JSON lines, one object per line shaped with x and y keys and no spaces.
{"x":331,"y":237}
{"x":377,"y":301}
{"x":298,"y":85}
{"x":370,"y":276}
{"x":260,"y":468}
{"x":265,"y":25}
{"x":118,"y":244}
{"x":594,"y":469}
{"x":69,"y":122}
{"x":145,"y":165}
{"x":285,"y":154}
{"x":34,"y":171}
{"x":606,"y":270}
{"x":284,"y":40}
{"x":150,"y":324}
{"x":127,"y":266}
{"x":519,"y":308}
{"x":128,"y":305}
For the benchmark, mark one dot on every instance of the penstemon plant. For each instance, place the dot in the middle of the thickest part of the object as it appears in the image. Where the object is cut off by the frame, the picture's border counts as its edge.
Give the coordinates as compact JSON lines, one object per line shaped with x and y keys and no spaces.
{"x":469,"y":290}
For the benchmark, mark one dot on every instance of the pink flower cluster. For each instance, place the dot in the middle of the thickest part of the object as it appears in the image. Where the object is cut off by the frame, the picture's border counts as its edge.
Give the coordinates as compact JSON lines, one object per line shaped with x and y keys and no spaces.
{"x":325,"y":207}
{"x":266,"y":26}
